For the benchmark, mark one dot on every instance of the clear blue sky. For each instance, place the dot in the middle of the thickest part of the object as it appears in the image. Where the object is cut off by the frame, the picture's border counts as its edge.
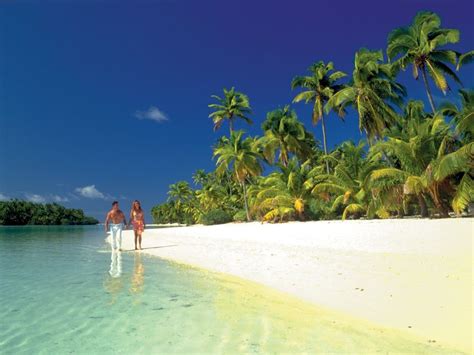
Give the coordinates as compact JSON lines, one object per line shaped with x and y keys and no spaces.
{"x":78,"y":79}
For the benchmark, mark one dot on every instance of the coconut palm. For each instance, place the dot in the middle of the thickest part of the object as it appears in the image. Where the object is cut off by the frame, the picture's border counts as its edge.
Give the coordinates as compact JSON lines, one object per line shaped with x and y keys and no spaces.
{"x":427,"y":158}
{"x":463,"y":116}
{"x":317,"y":89}
{"x":372,"y":92}
{"x":233,"y":105}
{"x":348,"y":185}
{"x":286,"y":134}
{"x":419,"y":45}
{"x":241,"y":157}
{"x":284,"y":194}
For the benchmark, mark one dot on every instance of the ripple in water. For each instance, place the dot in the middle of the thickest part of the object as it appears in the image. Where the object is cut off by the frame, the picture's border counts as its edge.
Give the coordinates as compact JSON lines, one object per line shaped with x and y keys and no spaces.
{"x":61,"y":293}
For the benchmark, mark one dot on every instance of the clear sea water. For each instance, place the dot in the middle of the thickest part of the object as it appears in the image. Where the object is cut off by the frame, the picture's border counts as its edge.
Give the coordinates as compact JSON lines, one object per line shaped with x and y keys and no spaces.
{"x":62,"y":292}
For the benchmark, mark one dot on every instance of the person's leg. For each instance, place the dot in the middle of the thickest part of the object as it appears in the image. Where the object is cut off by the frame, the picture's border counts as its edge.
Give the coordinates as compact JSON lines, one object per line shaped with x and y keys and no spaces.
{"x":113,"y":232}
{"x":120,"y":227}
{"x":136,"y":238}
{"x":140,"y":240}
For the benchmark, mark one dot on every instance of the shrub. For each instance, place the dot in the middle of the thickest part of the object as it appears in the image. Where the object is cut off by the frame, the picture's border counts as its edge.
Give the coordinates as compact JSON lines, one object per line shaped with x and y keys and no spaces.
{"x":215,"y":217}
{"x":240,"y":216}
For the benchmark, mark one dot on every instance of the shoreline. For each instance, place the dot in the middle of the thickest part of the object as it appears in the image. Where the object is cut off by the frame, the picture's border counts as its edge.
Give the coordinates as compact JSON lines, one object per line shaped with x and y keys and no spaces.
{"x":413,"y":275}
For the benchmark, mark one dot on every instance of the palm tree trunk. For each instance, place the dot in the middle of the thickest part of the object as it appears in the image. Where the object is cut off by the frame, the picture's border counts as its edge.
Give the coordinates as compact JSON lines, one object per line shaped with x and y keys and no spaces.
{"x":423,"y":207}
{"x":323,"y":127}
{"x":427,"y":87}
{"x":244,"y":188}
{"x":231,"y":126}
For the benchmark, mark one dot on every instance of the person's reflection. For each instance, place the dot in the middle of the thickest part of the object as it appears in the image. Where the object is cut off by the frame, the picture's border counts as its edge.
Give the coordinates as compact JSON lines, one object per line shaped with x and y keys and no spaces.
{"x":138,"y":275}
{"x":115,"y":264}
{"x":114,"y":283}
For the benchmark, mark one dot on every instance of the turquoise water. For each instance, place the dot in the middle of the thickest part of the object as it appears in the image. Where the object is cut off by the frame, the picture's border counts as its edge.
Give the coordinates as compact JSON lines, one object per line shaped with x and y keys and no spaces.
{"x":62,"y":291}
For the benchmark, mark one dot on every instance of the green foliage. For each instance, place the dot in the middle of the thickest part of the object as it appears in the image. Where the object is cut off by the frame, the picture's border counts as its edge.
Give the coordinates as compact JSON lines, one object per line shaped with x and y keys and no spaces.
{"x":415,"y":163}
{"x":18,"y":212}
{"x":216,"y":217}
{"x":240,"y":216}
{"x":419,"y":45}
{"x":232,"y":106}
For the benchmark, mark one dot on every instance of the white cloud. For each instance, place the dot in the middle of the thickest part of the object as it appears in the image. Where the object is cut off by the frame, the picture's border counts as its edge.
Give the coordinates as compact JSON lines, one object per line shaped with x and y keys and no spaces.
{"x":153,"y":113}
{"x":35,"y":198}
{"x":90,"y":192}
{"x":4,"y":197}
{"x":57,"y":198}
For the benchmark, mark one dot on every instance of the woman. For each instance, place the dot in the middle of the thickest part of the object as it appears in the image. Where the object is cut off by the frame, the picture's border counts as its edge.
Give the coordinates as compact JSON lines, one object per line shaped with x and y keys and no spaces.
{"x":137,"y":218}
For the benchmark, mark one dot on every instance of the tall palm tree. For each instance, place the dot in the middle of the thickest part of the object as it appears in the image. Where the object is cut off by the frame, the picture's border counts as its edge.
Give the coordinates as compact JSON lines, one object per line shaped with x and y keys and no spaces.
{"x":286,"y":134}
{"x":418,"y":44}
{"x":231,"y":106}
{"x":372,"y":92}
{"x":243,"y":159}
{"x":318,"y":88}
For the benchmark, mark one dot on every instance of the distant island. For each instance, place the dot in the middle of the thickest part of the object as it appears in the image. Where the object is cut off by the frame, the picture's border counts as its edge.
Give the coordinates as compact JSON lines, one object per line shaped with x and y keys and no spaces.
{"x":18,"y":212}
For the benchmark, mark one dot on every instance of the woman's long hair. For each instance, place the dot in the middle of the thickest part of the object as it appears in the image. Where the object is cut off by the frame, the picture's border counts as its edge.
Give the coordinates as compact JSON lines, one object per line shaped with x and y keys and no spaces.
{"x":139,"y":209}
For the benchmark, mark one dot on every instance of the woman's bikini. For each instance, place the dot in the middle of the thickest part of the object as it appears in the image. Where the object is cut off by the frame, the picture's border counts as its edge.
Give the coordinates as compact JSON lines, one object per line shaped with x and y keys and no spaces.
{"x":138,"y":221}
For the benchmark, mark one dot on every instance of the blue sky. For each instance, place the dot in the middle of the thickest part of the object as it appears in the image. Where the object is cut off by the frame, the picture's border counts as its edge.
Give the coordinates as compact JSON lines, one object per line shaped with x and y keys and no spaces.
{"x":102,"y":100}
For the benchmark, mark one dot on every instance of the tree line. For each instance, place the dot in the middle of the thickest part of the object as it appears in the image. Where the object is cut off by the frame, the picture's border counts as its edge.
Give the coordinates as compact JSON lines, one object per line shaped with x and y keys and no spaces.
{"x":18,"y":212}
{"x":414,"y":161}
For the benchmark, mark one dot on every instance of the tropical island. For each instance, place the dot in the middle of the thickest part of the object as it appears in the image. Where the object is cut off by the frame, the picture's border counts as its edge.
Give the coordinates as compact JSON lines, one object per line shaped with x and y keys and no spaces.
{"x":415,"y":161}
{"x":19,"y":212}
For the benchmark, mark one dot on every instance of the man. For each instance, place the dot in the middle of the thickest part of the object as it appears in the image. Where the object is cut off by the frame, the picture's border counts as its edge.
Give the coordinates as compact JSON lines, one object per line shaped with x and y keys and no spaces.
{"x":118,"y":223}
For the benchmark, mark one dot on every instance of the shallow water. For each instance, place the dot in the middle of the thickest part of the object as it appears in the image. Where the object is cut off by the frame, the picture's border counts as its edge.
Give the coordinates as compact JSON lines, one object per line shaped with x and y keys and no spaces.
{"x":62,"y":291}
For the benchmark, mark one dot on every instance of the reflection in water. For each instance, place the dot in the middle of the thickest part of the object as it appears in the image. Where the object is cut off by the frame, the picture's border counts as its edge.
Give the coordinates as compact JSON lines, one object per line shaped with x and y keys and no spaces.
{"x":138,"y":275}
{"x":115,"y":264}
{"x":114,"y":283}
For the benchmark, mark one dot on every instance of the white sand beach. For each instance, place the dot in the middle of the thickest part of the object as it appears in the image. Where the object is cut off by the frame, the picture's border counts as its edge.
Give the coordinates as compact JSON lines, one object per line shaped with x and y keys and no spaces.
{"x":410,"y":274}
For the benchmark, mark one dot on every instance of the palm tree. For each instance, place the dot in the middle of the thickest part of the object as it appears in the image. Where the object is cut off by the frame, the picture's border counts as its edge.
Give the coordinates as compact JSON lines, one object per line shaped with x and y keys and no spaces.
{"x":318,"y":88}
{"x":284,"y":194}
{"x":231,"y":106}
{"x":427,"y":159}
{"x":418,"y":44}
{"x":242,"y":157}
{"x":180,"y":193}
{"x":348,"y":184}
{"x":372,"y":92}
{"x":286,"y":134}
{"x":464,"y":116}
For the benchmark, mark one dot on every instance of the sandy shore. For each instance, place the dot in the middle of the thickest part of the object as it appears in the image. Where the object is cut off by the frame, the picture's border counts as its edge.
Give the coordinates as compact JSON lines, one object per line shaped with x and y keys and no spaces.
{"x":414,"y":275}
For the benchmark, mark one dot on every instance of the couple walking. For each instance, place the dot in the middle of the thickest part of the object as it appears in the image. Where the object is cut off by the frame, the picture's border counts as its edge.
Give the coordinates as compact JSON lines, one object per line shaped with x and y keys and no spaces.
{"x":116,"y":221}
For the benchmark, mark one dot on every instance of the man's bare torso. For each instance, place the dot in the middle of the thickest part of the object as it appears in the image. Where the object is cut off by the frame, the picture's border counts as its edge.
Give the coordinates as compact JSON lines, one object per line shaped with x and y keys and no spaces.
{"x":116,"y":216}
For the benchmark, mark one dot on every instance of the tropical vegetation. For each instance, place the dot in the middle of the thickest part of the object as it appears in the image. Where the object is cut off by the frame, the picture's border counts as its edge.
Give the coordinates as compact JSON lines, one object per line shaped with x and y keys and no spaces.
{"x":413,"y":161}
{"x":18,"y":212}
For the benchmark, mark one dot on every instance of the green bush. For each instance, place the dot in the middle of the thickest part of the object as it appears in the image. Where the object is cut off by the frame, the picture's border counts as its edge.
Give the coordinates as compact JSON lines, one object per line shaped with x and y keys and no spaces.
{"x":240,"y":216}
{"x":215,"y":217}
{"x":319,"y":210}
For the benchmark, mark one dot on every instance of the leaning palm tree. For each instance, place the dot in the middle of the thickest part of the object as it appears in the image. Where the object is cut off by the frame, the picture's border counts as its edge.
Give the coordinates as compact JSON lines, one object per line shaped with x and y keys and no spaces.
{"x":243,"y":159}
{"x":317,"y":89}
{"x":372,"y":92}
{"x":419,"y":45}
{"x":231,"y":106}
{"x":286,"y":134}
